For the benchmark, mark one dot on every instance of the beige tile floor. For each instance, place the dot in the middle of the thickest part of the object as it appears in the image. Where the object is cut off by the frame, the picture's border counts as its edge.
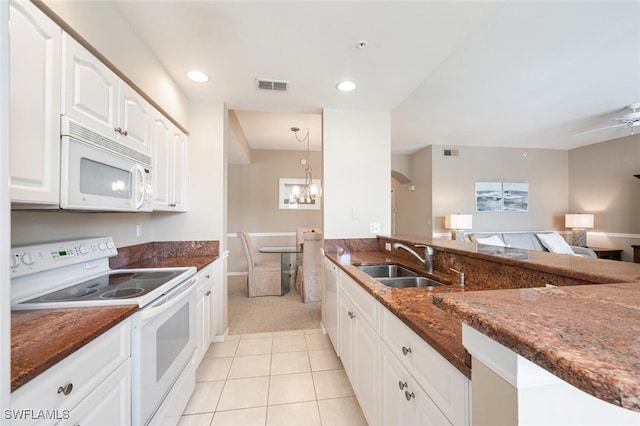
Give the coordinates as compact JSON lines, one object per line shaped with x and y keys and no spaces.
{"x":280,"y":378}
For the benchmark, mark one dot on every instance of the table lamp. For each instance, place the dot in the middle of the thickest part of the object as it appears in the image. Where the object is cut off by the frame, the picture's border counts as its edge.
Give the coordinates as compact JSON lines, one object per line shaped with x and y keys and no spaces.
{"x":579,"y":224}
{"x":458,"y":223}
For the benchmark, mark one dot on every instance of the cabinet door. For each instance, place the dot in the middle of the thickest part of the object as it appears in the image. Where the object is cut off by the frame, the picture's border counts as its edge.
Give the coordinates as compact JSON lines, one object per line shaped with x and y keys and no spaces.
{"x":403,"y":401}
{"x":162,"y":139}
{"x":394,"y":381}
{"x":109,"y":404}
{"x":179,"y":170}
{"x":134,"y":120}
{"x":90,"y":89}
{"x":169,"y":166}
{"x":346,"y":340}
{"x":366,"y":366}
{"x":35,"y":67}
{"x":200,"y":326}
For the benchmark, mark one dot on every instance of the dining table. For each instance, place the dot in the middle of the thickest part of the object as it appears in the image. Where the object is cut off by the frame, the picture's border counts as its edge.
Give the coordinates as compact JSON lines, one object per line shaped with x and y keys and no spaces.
{"x":287,"y":264}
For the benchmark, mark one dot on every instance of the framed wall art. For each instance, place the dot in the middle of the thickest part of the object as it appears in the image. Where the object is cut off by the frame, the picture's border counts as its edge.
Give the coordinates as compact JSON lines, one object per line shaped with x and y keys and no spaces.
{"x":502,"y":197}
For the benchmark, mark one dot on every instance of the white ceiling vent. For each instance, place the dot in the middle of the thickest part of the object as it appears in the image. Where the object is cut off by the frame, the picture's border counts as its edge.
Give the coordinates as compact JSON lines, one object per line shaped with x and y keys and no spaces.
{"x":273,"y":85}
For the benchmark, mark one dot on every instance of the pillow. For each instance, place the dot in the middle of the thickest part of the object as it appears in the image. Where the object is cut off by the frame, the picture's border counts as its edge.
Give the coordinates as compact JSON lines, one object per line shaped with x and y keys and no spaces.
{"x":555,"y":243}
{"x":493,"y":240}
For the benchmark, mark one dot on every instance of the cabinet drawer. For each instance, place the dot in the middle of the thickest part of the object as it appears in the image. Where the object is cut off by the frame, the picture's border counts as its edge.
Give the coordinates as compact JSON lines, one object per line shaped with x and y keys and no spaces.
{"x":444,"y":384}
{"x":368,"y":306}
{"x":205,"y":278}
{"x":85,"y":369}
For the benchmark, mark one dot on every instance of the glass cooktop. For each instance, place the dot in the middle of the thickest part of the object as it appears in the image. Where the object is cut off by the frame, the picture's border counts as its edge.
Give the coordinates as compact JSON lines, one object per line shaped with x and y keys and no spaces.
{"x":116,"y":285}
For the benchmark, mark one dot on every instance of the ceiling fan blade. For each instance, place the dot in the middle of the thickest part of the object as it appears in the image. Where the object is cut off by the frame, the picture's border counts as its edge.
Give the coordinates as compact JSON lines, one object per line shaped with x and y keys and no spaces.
{"x":602,"y":128}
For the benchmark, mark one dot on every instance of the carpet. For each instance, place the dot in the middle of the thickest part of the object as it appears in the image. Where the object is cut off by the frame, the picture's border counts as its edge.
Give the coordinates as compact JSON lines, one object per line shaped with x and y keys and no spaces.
{"x":268,"y":313}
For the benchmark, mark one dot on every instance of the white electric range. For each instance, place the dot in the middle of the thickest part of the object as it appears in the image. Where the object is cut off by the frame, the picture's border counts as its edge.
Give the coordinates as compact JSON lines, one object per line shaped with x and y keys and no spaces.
{"x":76,"y":274}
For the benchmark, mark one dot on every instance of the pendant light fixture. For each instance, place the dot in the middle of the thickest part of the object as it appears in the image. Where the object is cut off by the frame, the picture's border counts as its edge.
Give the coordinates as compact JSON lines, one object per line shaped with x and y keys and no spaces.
{"x":310,"y":191}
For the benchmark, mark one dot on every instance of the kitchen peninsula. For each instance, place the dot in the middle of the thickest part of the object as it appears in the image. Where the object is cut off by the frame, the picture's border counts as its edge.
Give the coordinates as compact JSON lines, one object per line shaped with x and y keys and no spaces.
{"x":572,"y":331}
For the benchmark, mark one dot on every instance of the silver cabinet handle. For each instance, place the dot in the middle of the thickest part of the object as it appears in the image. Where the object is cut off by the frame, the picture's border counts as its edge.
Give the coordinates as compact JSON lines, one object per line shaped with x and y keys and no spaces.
{"x":409,"y":395}
{"x":208,"y":276}
{"x":125,"y":133}
{"x":351,"y":315}
{"x":406,"y":350}
{"x":402,"y":384}
{"x":208,"y":293}
{"x":66,"y":389}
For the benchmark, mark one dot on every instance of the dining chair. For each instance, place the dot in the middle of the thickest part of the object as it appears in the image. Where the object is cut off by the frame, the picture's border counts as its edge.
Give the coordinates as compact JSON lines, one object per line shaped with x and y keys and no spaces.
{"x":298,"y":275}
{"x":264,"y":278}
{"x":311,"y":286}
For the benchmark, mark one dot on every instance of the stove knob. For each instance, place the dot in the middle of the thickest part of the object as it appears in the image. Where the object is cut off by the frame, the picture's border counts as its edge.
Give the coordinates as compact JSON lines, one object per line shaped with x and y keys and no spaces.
{"x":102,"y":246}
{"x":83,"y":249}
{"x":110,"y":244}
{"x":28,"y":259}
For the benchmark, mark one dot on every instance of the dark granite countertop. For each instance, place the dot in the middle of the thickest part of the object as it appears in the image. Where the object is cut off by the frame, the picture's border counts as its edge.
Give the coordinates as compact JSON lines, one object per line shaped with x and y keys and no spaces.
{"x":593,"y":314}
{"x":413,"y":306}
{"x":586,"y":335}
{"x":42,"y":338}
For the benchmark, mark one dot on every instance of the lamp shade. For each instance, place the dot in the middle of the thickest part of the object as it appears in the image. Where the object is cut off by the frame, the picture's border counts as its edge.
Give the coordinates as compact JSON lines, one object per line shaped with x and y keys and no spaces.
{"x":578,"y":220}
{"x":458,"y":221}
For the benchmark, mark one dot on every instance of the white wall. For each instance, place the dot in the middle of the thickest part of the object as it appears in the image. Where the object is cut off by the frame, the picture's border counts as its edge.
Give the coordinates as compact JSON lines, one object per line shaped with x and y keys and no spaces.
{"x":545,"y":170}
{"x":357,"y":172}
{"x":601,"y":182}
{"x":5,"y":241}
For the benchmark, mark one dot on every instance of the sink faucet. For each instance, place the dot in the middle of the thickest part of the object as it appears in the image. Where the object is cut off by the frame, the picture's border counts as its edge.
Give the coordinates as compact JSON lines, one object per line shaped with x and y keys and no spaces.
{"x":428,"y":254}
{"x":460,"y":275}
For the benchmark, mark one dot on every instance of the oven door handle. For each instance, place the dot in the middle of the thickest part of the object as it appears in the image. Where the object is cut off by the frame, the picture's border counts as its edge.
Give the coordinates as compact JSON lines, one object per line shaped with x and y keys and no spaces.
{"x":172,"y":298}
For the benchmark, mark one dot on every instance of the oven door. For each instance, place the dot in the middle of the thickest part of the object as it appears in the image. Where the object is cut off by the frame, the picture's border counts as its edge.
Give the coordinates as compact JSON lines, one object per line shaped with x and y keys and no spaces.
{"x":93,"y":178}
{"x":163,"y":342}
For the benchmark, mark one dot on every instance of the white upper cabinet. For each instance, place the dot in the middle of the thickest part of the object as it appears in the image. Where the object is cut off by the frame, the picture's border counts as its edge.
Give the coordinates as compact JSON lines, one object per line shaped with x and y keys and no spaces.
{"x":134,"y":119}
{"x":96,"y":97}
{"x":169,"y":165}
{"x":35,"y":66}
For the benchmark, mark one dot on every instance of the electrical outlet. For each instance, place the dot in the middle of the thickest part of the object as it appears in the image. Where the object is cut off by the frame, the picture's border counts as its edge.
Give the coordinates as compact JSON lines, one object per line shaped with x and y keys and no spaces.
{"x":387,"y":246}
{"x":374,"y":228}
{"x":355,"y":214}
{"x":138,"y":231}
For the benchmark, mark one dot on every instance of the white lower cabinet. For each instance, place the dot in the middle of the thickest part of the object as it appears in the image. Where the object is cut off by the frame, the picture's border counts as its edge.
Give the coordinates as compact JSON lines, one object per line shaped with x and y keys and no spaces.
{"x":397,"y":377}
{"x":447,"y":387}
{"x":65,"y":393}
{"x":205,"y":310}
{"x":404,"y":401}
{"x":109,"y":404}
{"x":360,"y":346}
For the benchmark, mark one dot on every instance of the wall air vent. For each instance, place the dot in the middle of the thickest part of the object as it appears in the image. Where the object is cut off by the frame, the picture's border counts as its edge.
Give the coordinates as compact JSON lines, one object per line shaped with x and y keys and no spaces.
{"x":273,"y":85}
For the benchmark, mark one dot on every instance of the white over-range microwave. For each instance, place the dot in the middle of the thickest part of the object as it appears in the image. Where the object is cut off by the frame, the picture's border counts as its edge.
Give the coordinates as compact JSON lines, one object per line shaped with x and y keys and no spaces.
{"x":101,"y":174}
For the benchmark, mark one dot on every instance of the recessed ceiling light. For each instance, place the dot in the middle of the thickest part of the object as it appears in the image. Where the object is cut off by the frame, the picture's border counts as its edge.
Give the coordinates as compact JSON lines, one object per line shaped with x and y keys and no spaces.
{"x":198,"y":76}
{"x":346,"y":86}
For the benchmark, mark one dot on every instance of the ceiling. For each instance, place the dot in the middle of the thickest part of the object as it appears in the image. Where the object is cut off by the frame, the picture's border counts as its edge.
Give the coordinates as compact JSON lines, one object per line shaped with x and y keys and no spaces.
{"x":499,"y":73}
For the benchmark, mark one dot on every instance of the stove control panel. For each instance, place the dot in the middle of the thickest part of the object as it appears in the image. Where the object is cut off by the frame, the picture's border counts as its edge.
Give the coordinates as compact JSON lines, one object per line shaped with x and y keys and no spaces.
{"x":28,"y":260}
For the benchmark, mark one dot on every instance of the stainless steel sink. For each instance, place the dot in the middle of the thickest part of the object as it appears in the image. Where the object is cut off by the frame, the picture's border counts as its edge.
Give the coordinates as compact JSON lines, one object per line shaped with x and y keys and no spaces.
{"x":397,"y":276}
{"x":404,"y":282}
{"x":387,"y":271}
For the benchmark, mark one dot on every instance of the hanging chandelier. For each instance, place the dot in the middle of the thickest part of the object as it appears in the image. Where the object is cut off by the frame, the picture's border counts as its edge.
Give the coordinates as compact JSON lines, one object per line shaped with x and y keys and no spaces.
{"x":310,"y":191}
